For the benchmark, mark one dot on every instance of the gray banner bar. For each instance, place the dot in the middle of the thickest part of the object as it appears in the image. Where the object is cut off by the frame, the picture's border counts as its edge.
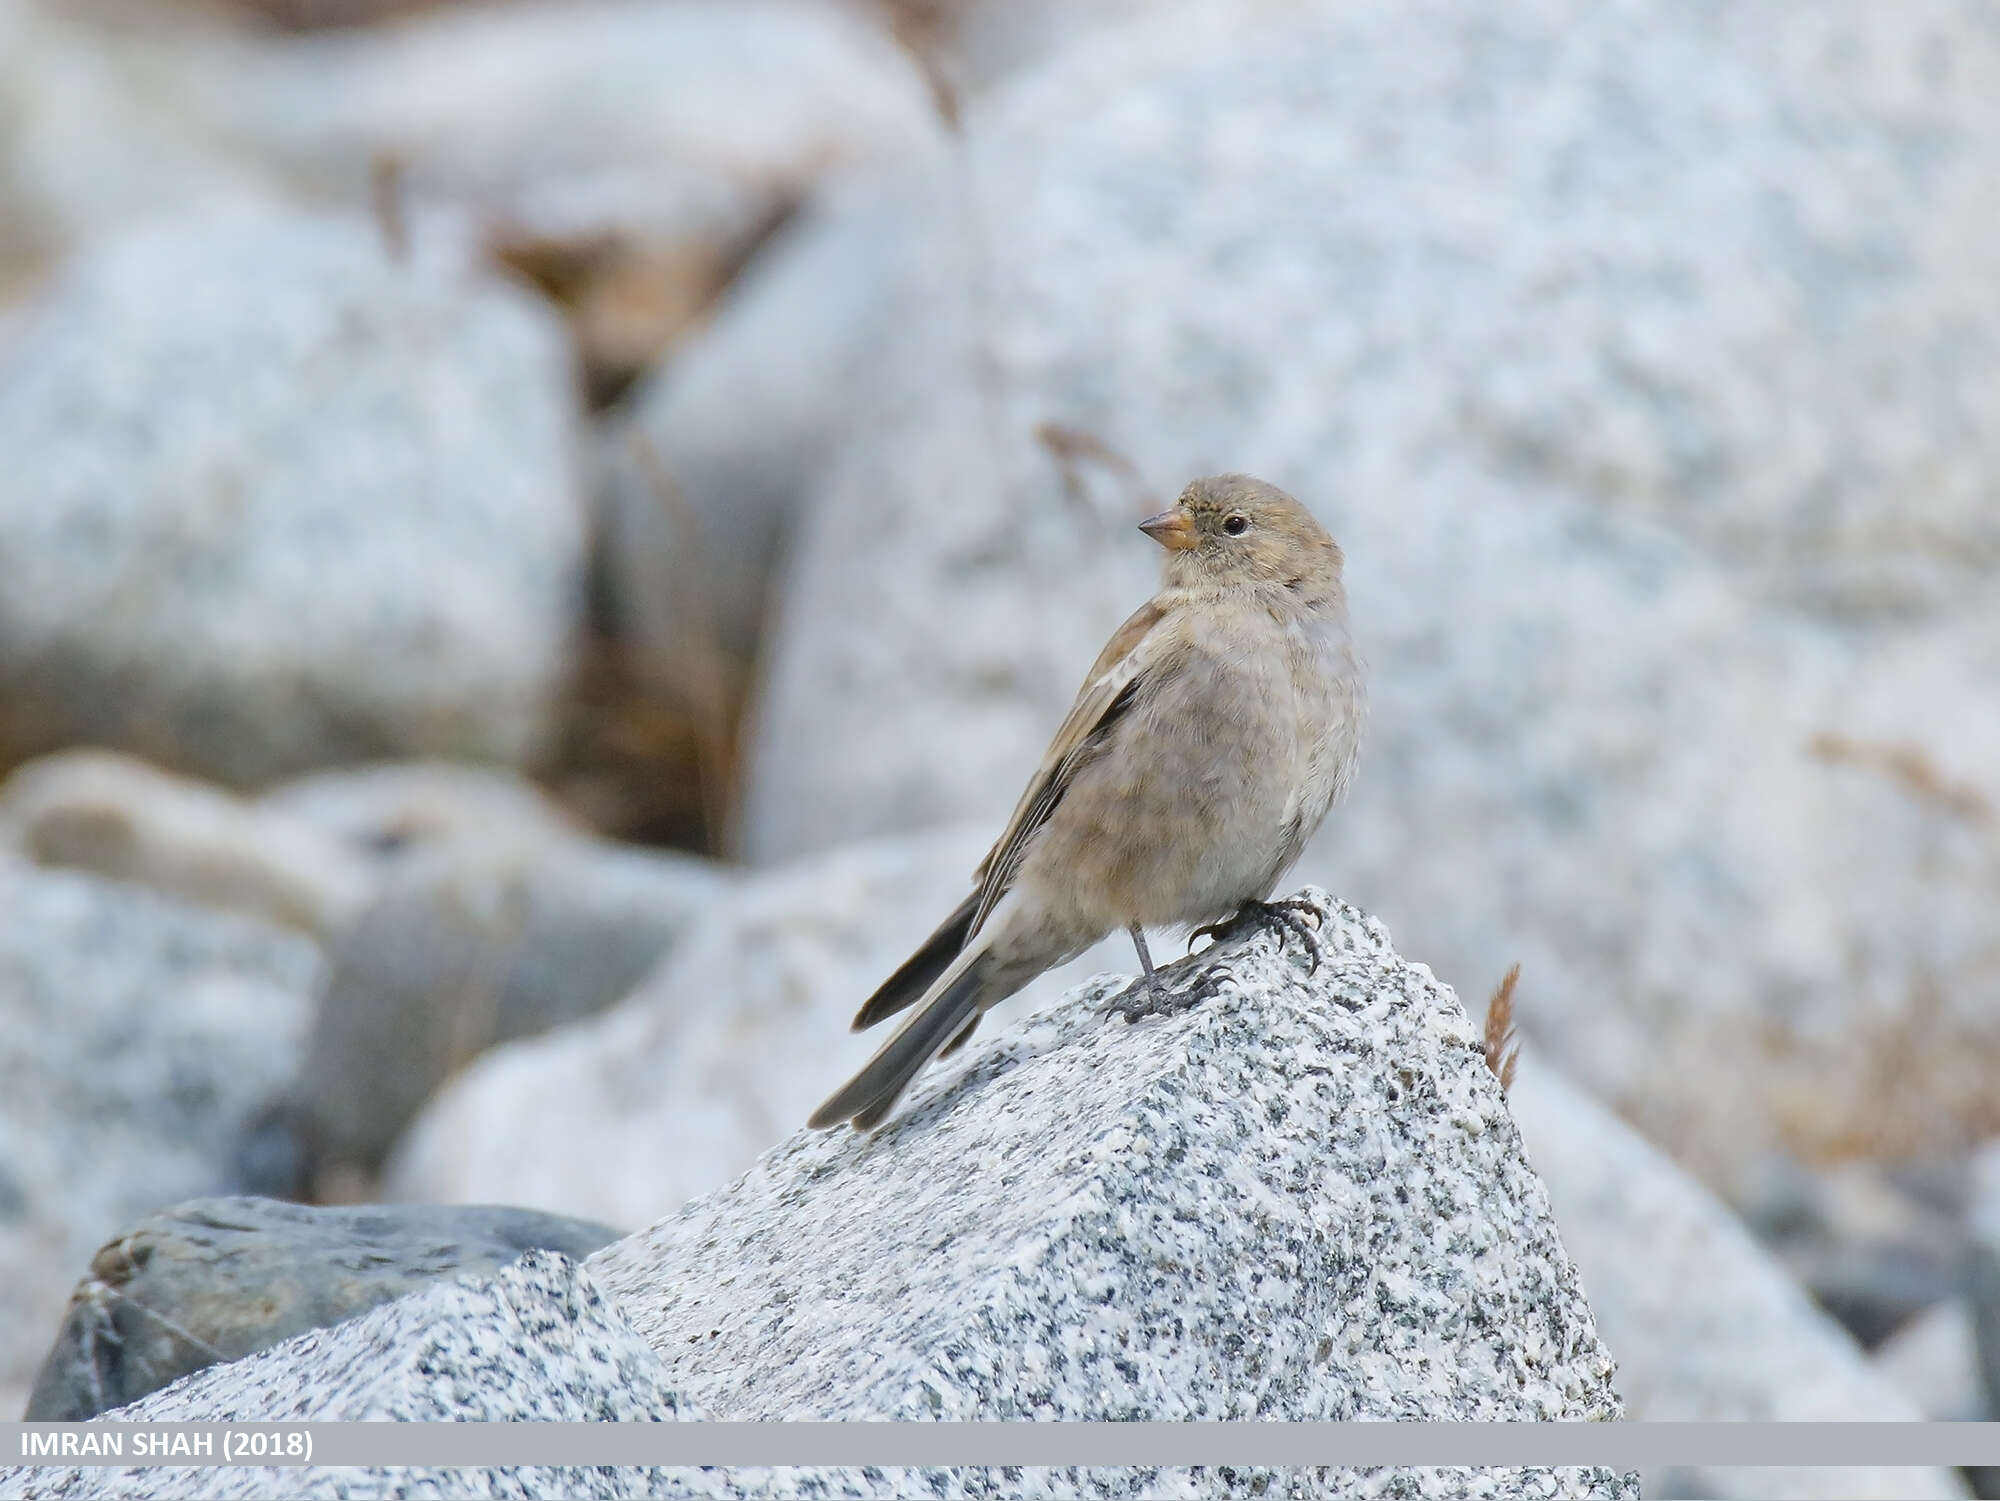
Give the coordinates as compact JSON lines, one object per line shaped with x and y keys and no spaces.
{"x":1622,"y":1446}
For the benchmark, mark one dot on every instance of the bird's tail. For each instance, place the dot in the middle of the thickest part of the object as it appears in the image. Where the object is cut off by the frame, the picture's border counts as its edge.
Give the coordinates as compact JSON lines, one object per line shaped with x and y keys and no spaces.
{"x":870,"y":1095}
{"x":920,"y":971}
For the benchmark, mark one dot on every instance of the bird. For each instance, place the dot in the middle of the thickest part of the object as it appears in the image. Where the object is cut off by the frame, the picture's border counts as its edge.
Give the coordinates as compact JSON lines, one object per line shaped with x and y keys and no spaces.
{"x":1217,"y":728}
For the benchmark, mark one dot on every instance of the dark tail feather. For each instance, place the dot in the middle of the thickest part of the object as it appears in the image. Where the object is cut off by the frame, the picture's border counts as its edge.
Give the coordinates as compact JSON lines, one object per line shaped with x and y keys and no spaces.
{"x":870,"y":1095}
{"x":921,"y":970}
{"x":962,"y":1039}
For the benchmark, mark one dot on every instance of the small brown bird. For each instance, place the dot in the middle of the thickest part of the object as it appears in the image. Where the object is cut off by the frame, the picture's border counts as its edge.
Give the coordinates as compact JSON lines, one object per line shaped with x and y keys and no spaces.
{"x":1218,"y":726}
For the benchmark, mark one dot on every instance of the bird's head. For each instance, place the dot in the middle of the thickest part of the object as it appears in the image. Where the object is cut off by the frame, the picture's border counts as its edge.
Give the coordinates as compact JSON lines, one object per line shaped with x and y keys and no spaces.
{"x":1232,"y":529}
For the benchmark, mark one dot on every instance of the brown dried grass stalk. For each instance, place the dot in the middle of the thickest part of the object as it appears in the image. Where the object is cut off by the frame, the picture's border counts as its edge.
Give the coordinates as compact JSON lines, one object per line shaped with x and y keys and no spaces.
{"x":1503,"y":1047}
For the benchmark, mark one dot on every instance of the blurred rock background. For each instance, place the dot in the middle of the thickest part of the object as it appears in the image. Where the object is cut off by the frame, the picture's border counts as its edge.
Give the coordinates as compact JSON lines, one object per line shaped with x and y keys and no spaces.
{"x":539,"y":542}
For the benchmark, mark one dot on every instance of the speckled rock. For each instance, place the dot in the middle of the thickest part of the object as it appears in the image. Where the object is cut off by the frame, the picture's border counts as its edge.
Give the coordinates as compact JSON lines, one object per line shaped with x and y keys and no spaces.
{"x":136,"y":1037}
{"x":216,"y":1279}
{"x":539,"y":1342}
{"x":1323,"y":1155}
{"x":1633,"y":355}
{"x":481,"y":941}
{"x":275,"y":499}
{"x":116,"y":816}
{"x":1706,"y":1324}
{"x":536,"y":1343}
{"x":721,"y":1052}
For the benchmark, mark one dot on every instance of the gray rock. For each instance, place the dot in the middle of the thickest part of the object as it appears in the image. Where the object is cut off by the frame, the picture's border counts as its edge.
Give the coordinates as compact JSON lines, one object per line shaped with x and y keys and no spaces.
{"x":1935,"y":1360}
{"x":136,"y":1037}
{"x":1323,"y":1157}
{"x":750,"y":403}
{"x":102,"y":126}
{"x":536,"y":1342}
{"x":1874,"y":1243}
{"x":395,"y":809}
{"x":682,"y":123}
{"x":116,"y":816}
{"x":1630,"y":353}
{"x":1985,"y":1270}
{"x":1706,"y":1325}
{"x":983,"y":43}
{"x":274,"y":499}
{"x":482,"y":942}
{"x":721,"y":1052}
{"x":217,"y":1279}
{"x":689,"y":121}
{"x":1102,"y":1187}
{"x":624,"y":154}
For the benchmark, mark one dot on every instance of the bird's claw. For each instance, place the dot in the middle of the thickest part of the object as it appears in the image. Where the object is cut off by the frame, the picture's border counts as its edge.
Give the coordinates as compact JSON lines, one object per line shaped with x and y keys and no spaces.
{"x":1151,"y":996}
{"x":1213,"y":930}
{"x":1293,"y":914}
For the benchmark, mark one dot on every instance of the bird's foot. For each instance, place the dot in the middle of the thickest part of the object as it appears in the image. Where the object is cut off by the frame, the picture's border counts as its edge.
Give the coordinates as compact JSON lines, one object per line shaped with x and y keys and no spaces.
{"x":1292,"y":914}
{"x":1152,"y":995}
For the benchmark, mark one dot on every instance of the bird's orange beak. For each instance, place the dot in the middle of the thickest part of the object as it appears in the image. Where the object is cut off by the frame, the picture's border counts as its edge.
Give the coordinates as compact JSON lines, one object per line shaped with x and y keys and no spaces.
{"x":1173,"y":530}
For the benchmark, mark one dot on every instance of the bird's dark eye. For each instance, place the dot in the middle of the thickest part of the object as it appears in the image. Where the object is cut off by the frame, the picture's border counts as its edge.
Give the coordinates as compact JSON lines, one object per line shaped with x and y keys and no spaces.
{"x":1236,"y":526}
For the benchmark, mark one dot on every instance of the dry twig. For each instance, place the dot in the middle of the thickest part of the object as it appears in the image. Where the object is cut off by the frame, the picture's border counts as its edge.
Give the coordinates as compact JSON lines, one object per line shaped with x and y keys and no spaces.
{"x":922,"y":28}
{"x":1910,"y":767}
{"x":1073,"y":447}
{"x":385,"y":198}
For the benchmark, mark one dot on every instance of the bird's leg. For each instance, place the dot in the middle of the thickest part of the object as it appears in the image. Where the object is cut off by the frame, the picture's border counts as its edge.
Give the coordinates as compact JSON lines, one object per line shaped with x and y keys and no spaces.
{"x":1137,"y":999}
{"x":1145,"y":959}
{"x":1289,"y":915}
{"x":1142,"y":996}
{"x":1148,"y":995}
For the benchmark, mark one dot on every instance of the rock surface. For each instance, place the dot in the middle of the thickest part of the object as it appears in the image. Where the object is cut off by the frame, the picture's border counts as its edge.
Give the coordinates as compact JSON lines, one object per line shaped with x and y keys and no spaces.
{"x":1876,"y":1244}
{"x":116,"y":816}
{"x":1077,"y":1220}
{"x":480,"y":942}
{"x":1706,"y":1324}
{"x":1074,"y":1221}
{"x":214,"y":1280}
{"x":100,"y":128}
{"x":391,"y":810}
{"x":721,"y":1052}
{"x":678,"y":124}
{"x":751,"y":402}
{"x":534,"y":1343}
{"x":1934,"y":1359}
{"x":626,"y":155}
{"x":275,"y":499}
{"x":684,"y":121}
{"x":1631,"y":352}
{"x":136,"y":1036}
{"x":1985,"y":1272}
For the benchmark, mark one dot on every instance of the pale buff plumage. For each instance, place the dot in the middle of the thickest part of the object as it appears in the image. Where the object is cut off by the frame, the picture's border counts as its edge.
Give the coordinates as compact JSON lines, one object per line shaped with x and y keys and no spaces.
{"x":1215,"y":730}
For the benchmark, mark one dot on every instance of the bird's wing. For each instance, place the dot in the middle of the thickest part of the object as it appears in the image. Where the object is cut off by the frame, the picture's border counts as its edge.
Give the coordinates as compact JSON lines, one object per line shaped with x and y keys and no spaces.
{"x":1114,"y":682}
